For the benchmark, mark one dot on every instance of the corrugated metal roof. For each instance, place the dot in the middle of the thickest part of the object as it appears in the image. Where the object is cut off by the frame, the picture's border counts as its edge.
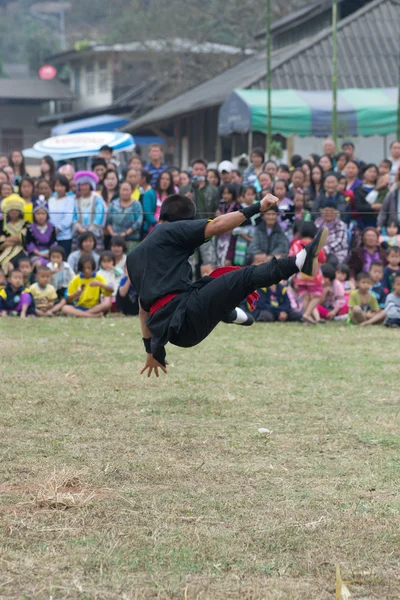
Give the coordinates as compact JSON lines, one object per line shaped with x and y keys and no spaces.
{"x":34,"y":89}
{"x":367,"y":58}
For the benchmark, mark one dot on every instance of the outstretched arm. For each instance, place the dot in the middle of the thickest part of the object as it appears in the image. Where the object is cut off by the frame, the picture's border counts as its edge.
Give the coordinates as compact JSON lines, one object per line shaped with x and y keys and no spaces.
{"x":151,"y":363}
{"x":228,"y":222}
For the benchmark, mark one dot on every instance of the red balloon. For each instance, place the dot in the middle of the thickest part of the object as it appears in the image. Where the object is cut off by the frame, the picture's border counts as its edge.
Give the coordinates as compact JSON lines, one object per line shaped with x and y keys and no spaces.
{"x":47,"y":72}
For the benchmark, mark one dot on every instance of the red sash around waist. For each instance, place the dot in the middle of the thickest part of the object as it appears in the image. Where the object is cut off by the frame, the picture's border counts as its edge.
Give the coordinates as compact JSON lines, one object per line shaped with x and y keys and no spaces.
{"x":161,"y":302}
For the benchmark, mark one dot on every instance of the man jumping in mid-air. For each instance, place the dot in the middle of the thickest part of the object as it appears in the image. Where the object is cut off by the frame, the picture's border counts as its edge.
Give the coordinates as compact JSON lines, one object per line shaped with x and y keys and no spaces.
{"x":172,"y":307}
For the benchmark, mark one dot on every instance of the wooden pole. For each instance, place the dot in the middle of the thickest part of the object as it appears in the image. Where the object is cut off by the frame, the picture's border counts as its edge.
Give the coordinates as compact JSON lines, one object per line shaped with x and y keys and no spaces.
{"x":268,"y":138}
{"x":334,"y":70}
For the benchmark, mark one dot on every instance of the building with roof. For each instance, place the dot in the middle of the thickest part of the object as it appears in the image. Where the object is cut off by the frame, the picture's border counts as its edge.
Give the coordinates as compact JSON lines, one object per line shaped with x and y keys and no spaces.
{"x":367,"y":58}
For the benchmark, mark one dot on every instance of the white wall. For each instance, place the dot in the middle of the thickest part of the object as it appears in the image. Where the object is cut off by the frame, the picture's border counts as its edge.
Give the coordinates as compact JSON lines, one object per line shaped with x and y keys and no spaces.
{"x":98,"y":97}
{"x":368,"y":149}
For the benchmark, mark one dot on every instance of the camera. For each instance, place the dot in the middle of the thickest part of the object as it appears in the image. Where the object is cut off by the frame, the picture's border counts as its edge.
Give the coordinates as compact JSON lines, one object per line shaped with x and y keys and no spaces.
{"x":197,"y":180}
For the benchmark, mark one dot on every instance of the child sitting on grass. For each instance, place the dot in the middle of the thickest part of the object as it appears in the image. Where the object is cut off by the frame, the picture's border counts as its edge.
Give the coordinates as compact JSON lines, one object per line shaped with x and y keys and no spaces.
{"x":119,"y":248}
{"x":127,"y":297}
{"x":87,"y":245}
{"x":273,"y":305}
{"x":392,"y":269}
{"x":377,"y":289}
{"x":85,"y":290}
{"x":363,"y":306}
{"x":343,"y":275}
{"x":111,"y":274}
{"x":41,"y":235}
{"x":392,"y":307}
{"x":334,"y":302}
{"x":44,"y":294}
{"x":26,"y":268}
{"x":309,"y":289}
{"x":61,"y":272}
{"x":15,"y":299}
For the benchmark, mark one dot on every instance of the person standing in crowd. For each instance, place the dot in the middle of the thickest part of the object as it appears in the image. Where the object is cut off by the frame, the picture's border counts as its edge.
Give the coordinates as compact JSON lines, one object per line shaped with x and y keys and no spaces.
{"x":255,"y":168}
{"x":349,"y":150}
{"x":285,"y":206}
{"x":351,"y":171}
{"x":132,"y":177}
{"x":341,"y":161}
{"x":155,"y":166}
{"x":329,"y":149}
{"x":41,"y":235}
{"x":18,"y":164}
{"x":336,"y":247}
{"x":300,"y":213}
{"x":365,"y":197}
{"x":135,"y":162}
{"x":283,"y":172}
{"x":106,"y":153}
{"x":297,"y":180}
{"x":330,"y":192}
{"x":306,"y":167}
{"x":26,"y":192}
{"x":265,"y":183}
{"x":269,"y":239}
{"x":316,"y":185}
{"x":213,"y":177}
{"x":125,"y":216}
{"x":226,"y":241}
{"x":48,"y":169}
{"x":390,"y":209}
{"x":164,"y":187}
{"x":204,"y":195}
{"x":271,"y":168}
{"x":184,"y":178}
{"x":99,"y":166}
{"x":61,"y":212}
{"x":326,"y":163}
{"x":149,"y":202}
{"x":176,"y":173}
{"x":90,"y":209}
{"x":395,"y":160}
{"x":360,"y":259}
{"x":110,"y":190}
{"x":13,"y":232}
{"x":225,"y":169}
{"x":44,"y":189}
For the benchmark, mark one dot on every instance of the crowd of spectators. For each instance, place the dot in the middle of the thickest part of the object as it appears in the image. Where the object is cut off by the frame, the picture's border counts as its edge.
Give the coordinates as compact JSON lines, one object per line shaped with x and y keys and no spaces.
{"x":64,"y":236}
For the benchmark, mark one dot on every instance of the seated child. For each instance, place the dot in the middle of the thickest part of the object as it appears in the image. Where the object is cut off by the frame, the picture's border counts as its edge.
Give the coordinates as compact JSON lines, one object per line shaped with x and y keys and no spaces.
{"x":392,"y":307}
{"x":15,"y":299}
{"x":85,"y":290}
{"x":119,"y":248}
{"x":343,"y":275}
{"x":25,"y":266}
{"x":41,"y":235}
{"x":274,"y":305}
{"x":244,"y":234}
{"x":363,"y":306}
{"x":44,"y":294}
{"x":87,"y":245}
{"x":309,"y":289}
{"x":61,"y":272}
{"x":111,"y":274}
{"x":127,"y":298}
{"x":334,"y":303}
{"x":377,"y":289}
{"x":392,"y":269}
{"x":390,"y":234}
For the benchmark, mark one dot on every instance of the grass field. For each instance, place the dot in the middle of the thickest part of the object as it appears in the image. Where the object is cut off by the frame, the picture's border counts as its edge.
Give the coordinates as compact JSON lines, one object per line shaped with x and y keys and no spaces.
{"x":118,"y":487}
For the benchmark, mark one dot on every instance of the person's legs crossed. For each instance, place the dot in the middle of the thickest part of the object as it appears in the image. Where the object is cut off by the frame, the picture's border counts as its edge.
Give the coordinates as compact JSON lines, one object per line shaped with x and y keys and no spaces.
{"x":266,"y":316}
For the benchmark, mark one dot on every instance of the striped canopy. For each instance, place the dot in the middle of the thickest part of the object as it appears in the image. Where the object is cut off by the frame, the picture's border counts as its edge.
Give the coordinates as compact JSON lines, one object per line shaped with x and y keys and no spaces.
{"x":360,"y":112}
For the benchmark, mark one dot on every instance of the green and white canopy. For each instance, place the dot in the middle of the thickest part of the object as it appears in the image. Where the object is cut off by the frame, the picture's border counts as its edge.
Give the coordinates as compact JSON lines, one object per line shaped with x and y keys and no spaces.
{"x":361,"y":112}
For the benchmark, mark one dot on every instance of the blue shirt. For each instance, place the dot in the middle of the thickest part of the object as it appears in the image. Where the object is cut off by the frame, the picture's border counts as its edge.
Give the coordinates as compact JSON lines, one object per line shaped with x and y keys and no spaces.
{"x":380,"y":293}
{"x":155,"y":172}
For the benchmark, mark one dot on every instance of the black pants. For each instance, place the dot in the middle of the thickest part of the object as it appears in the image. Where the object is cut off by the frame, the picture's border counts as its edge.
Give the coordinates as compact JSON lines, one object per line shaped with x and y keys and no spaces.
{"x":267,"y":316}
{"x":208,"y":305}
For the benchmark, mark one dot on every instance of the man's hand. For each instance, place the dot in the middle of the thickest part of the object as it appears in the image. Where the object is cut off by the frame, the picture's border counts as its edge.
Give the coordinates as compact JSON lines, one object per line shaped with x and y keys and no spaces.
{"x":268,"y":201}
{"x":152,"y":365}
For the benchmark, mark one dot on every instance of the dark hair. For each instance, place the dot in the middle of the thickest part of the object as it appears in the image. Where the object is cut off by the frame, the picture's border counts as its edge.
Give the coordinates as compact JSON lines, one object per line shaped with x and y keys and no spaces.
{"x":394,"y":142}
{"x":84,"y":258}
{"x":146,"y":175}
{"x":111,"y":171}
{"x":296,"y":160}
{"x":46,"y":181}
{"x":273,"y":208}
{"x":363,"y":275}
{"x":250,"y":187}
{"x":308,"y":229}
{"x":62,"y":180}
{"x":173,"y":168}
{"x":348,"y":143}
{"x":106,"y":148}
{"x":315,"y":156}
{"x":394,"y":249}
{"x":306,"y":162}
{"x":354,"y":163}
{"x":197,"y":161}
{"x":104,"y":191}
{"x":340,"y":155}
{"x":270,"y":161}
{"x":58,"y":249}
{"x":14,"y":271}
{"x":328,"y":271}
{"x":321,"y":171}
{"x":6,"y":183}
{"x":285,"y":183}
{"x":283,"y":167}
{"x":29,"y":180}
{"x":330,"y":174}
{"x":215,"y":171}
{"x":259,"y":152}
{"x":344,"y":269}
{"x":22,"y":166}
{"x":128,"y":182}
{"x":391,"y":221}
{"x":232,"y":189}
{"x":107,"y":254}
{"x":99,"y":160}
{"x":376,"y":263}
{"x":48,"y":159}
{"x":170,"y":189}
{"x":86,"y":236}
{"x":24,"y":259}
{"x":329,"y":158}
{"x":135,"y":155}
{"x":387,"y":162}
{"x":117,"y":240}
{"x":155,"y":145}
{"x":298,"y":170}
{"x":42,"y":269}
{"x":371,"y":166}
{"x":177,"y":208}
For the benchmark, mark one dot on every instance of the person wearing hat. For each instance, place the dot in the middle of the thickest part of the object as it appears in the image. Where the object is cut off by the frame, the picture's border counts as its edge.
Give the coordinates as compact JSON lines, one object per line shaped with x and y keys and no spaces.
{"x":225,"y":169}
{"x":41,"y":235}
{"x":90,"y":209}
{"x":13,"y":231}
{"x":337,"y":244}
